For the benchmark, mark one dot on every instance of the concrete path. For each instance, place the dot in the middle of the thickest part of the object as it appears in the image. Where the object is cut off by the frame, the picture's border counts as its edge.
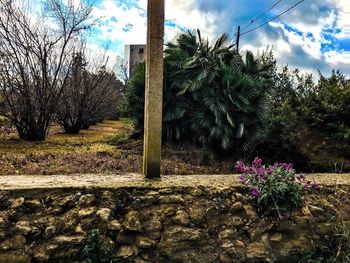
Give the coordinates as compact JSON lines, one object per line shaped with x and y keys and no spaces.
{"x":111,"y":181}
{"x":12,"y":182}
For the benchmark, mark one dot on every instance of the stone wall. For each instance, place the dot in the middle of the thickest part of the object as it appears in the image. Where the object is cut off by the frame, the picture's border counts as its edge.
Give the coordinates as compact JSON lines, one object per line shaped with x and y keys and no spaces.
{"x":179,"y":224}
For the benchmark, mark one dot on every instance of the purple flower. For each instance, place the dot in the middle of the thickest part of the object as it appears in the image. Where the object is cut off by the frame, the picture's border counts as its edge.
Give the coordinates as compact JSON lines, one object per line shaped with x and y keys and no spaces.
{"x":249,"y":170}
{"x":260,"y":170}
{"x":269,"y":171}
{"x":286,"y":166}
{"x":307,"y":184}
{"x":262,"y":177}
{"x":261,"y":173}
{"x":255,"y":192}
{"x":257,"y":161}
{"x":240,"y":167}
{"x":241,"y":179}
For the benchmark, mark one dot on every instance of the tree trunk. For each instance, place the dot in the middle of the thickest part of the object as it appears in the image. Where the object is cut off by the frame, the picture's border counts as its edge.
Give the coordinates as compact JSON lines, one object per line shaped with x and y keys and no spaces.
{"x":32,"y":133}
{"x":72,"y":129}
{"x":85,"y":124}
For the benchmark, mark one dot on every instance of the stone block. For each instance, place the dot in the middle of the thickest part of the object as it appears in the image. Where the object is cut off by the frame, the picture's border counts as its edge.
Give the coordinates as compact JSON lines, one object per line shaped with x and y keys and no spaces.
{"x":14,"y":257}
{"x":104,"y":214}
{"x":144,"y":242}
{"x":132,"y":222}
{"x":181,"y":218}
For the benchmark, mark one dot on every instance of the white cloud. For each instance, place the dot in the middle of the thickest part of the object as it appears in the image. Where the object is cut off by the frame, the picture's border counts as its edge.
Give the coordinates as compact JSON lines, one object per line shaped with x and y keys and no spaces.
{"x":185,"y":14}
{"x":311,"y":46}
{"x":344,"y":18}
{"x":114,"y":29}
{"x":98,"y":56}
{"x":295,"y":49}
{"x":181,"y":13}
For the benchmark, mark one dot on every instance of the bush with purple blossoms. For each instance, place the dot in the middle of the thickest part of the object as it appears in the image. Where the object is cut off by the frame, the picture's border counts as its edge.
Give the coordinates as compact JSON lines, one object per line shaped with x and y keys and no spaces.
{"x":275,"y":189}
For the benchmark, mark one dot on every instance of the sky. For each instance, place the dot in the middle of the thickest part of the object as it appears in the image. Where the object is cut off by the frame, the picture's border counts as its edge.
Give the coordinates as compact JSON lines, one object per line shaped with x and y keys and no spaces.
{"x":313,"y":36}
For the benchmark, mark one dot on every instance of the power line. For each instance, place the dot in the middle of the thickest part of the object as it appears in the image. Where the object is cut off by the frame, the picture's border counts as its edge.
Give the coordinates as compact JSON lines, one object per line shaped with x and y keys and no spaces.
{"x":254,"y":19}
{"x":279,"y":15}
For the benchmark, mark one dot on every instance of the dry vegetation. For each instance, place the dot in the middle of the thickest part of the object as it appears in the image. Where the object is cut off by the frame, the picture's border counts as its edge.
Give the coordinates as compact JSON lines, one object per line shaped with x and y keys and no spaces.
{"x":103,"y":148}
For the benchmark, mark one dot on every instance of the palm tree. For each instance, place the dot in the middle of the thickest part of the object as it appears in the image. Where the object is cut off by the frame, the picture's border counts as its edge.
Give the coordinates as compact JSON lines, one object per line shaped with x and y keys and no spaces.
{"x":223,"y":97}
{"x":212,"y":96}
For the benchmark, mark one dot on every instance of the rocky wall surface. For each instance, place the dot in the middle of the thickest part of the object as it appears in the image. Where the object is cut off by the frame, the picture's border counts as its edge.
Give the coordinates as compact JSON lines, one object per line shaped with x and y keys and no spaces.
{"x":170,"y":224}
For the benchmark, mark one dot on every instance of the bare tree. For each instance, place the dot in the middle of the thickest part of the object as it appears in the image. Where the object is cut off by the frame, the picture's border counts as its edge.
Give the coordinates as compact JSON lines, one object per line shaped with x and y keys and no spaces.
{"x":72,"y":104}
{"x":90,"y":95}
{"x":36,"y":60}
{"x":104,"y":98}
{"x":122,"y":70}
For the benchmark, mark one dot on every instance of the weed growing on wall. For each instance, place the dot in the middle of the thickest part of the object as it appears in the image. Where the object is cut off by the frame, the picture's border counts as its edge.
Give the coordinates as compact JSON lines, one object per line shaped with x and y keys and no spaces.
{"x":93,"y":251}
{"x":336,"y":248}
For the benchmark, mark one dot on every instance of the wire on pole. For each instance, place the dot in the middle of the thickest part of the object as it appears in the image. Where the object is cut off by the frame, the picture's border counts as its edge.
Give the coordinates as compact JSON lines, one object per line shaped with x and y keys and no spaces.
{"x":254,"y":19}
{"x":279,"y":15}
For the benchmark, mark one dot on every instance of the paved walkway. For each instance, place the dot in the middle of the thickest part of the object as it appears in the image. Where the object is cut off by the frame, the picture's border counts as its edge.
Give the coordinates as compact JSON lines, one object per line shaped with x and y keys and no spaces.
{"x":11,"y":182}
{"x":111,"y":181}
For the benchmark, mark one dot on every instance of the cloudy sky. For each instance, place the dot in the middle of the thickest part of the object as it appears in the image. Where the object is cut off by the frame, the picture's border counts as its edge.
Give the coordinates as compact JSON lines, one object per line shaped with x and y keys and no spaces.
{"x":314,"y":35}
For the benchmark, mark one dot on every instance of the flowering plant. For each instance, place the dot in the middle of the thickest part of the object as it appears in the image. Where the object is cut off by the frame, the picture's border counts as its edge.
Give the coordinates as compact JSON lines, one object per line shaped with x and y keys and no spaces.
{"x":275,"y":189}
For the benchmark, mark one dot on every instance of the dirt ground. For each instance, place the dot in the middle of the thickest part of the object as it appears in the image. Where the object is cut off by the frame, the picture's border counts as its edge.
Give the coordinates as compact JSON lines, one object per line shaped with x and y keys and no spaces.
{"x":102,"y":148}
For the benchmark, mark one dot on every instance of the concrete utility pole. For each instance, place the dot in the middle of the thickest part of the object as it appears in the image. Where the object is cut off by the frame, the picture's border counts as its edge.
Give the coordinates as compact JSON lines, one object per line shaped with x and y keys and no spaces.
{"x":154,"y":89}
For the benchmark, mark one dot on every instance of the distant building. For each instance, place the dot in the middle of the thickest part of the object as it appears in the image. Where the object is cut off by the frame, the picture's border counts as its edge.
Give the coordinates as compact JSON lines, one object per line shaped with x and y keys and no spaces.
{"x":134,"y":54}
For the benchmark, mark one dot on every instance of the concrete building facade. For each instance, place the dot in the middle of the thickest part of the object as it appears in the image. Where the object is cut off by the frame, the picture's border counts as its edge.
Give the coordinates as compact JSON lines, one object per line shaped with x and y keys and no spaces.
{"x":134,"y":54}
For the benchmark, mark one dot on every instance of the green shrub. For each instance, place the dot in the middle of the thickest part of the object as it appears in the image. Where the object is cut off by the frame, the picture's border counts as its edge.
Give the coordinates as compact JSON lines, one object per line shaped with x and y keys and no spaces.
{"x":274,"y":189}
{"x":285,"y":125}
{"x":303,"y":113}
{"x":326,"y":108}
{"x":212,"y":96}
{"x":135,"y":97}
{"x":284,"y":133}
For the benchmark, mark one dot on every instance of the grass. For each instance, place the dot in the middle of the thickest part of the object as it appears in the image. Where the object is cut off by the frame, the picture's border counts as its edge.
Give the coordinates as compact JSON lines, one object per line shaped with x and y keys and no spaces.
{"x":122,"y":135}
{"x":60,"y":152}
{"x":103,"y":148}
{"x":91,"y":140}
